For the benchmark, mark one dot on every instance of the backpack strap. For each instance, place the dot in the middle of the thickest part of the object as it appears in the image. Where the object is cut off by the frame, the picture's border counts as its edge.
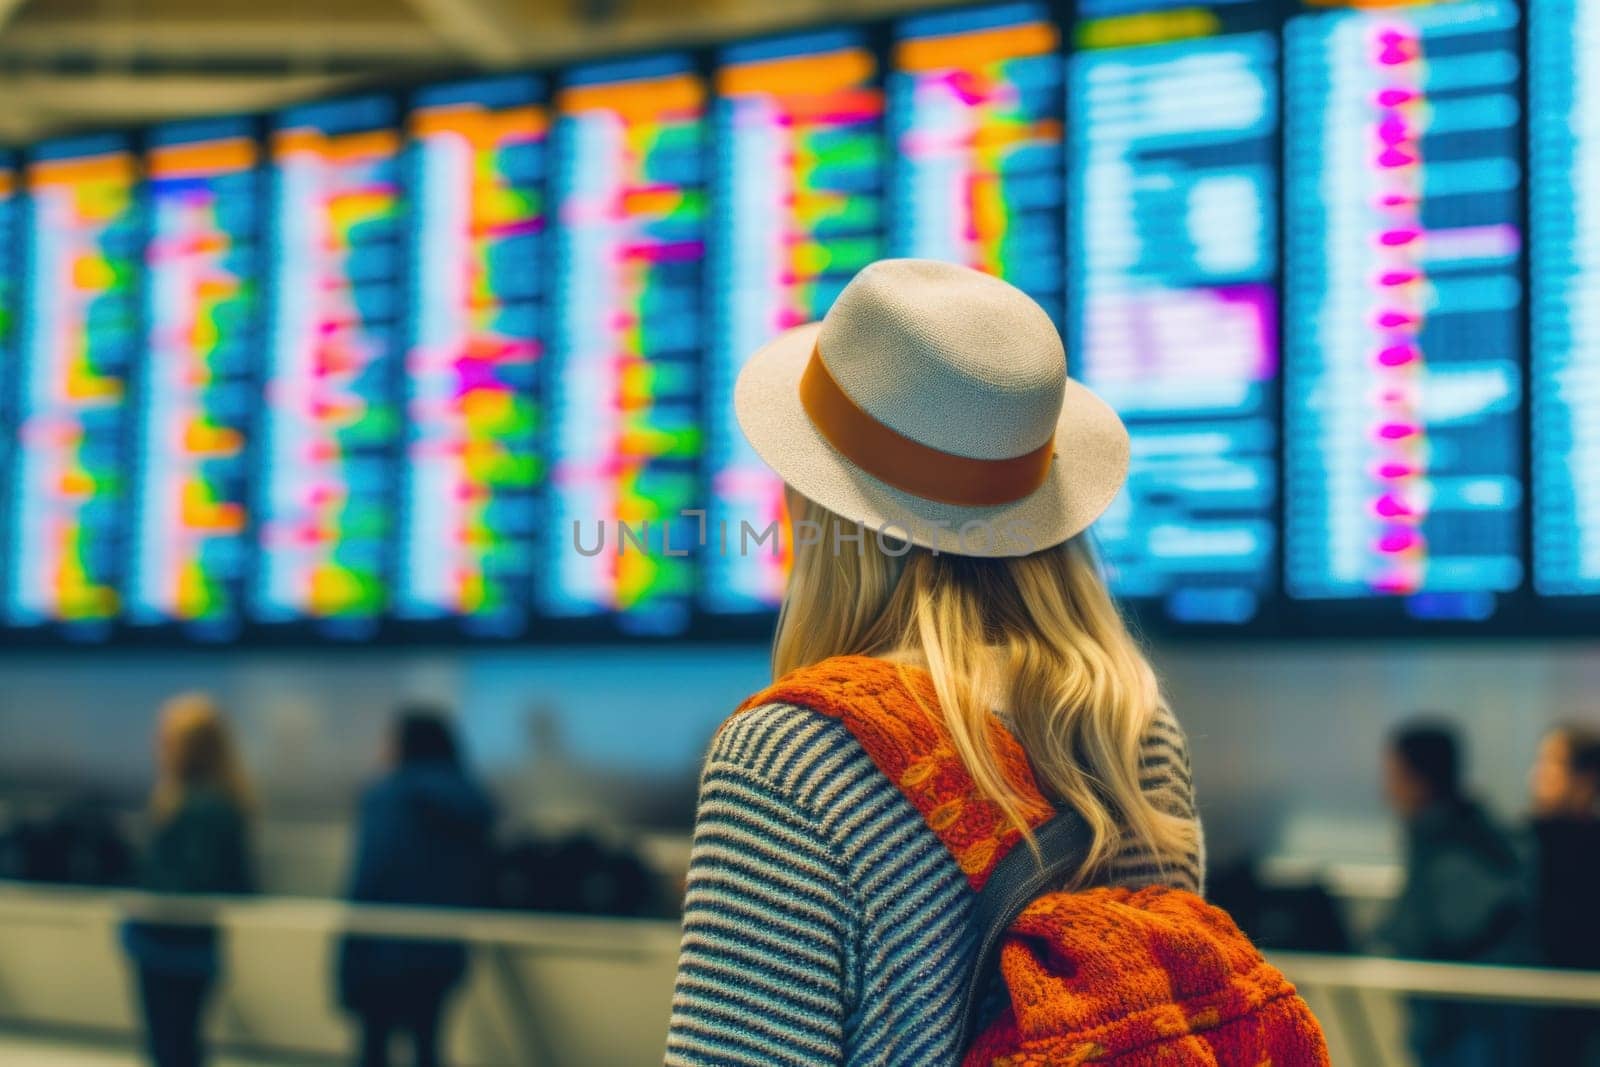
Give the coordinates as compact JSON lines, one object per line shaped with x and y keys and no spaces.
{"x":1017,"y":881}
{"x":893,"y":711}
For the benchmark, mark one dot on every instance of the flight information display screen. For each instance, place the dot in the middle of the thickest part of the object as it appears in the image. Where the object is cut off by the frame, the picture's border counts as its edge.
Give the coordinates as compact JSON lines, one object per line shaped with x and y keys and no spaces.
{"x":80,"y":302}
{"x":10,"y":275}
{"x":331,"y":424}
{"x":1173,"y":319}
{"x":798,"y":185}
{"x":975,"y":116}
{"x":10,"y":320}
{"x":624,"y":368}
{"x":1564,"y":117}
{"x":1403,"y":422}
{"x":197,"y":382}
{"x":459,"y":360}
{"x":473,"y":465}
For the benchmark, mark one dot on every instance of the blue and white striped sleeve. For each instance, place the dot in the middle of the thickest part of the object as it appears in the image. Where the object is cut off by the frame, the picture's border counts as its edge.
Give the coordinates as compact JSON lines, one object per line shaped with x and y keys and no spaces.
{"x":763,"y":973}
{"x":1165,"y":777}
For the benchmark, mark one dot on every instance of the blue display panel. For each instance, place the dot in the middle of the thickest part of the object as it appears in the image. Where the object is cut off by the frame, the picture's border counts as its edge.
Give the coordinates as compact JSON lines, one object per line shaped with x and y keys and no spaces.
{"x":473,"y":464}
{"x":1403,"y":422}
{"x":10,"y":274}
{"x":197,"y":385}
{"x":80,"y":301}
{"x":1173,"y":316}
{"x":1564,"y":117}
{"x":975,"y":117}
{"x":10,"y":321}
{"x":1186,"y":15}
{"x":799,"y":194}
{"x":624,"y":368}
{"x":331,"y":422}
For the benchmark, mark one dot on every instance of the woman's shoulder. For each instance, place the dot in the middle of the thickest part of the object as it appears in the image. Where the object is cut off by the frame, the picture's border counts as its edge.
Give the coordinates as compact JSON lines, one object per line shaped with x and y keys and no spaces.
{"x":778,"y":740}
{"x":788,"y":769}
{"x":208,"y":805}
{"x":204,"y":815}
{"x":1165,"y":733}
{"x":794,"y":753}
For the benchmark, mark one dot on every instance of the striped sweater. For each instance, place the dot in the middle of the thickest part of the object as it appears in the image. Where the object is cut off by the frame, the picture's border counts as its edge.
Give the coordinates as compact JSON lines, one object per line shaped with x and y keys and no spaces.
{"x":824,"y":923}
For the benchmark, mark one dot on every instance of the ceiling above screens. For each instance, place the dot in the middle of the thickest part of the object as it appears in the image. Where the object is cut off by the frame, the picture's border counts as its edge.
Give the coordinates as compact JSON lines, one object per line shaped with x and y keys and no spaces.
{"x":68,"y":65}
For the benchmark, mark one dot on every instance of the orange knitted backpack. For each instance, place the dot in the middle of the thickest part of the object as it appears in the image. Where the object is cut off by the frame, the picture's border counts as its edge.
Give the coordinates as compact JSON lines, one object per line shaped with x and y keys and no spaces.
{"x":1153,"y":977}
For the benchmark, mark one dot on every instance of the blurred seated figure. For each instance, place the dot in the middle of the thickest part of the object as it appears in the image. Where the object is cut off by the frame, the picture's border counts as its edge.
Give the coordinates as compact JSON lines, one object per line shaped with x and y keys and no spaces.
{"x":1299,"y":917}
{"x":578,"y":873}
{"x":1565,"y":838}
{"x":424,"y":838}
{"x":199,"y":844}
{"x":79,"y":843}
{"x":1463,"y":898}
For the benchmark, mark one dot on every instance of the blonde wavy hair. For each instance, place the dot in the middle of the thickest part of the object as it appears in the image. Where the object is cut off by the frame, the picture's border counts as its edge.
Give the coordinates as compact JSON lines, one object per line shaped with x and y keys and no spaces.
{"x":195,"y":749}
{"x":1036,"y":636}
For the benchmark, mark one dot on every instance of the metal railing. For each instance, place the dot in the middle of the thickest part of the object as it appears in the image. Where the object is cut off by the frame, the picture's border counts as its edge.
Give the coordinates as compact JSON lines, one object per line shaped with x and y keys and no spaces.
{"x":1448,"y":981}
{"x":1343,"y":988}
{"x":504,"y":929}
{"x":501,"y":939}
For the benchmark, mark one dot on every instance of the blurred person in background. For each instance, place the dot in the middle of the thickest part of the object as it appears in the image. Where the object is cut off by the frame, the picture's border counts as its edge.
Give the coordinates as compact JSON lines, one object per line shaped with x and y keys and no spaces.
{"x":1463,"y":899}
{"x":1565,"y":840}
{"x":424,"y":838}
{"x":199,"y":844}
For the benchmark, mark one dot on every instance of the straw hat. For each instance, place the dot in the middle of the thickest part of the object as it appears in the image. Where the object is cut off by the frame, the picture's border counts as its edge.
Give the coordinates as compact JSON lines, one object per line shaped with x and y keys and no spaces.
{"x":932,"y":404}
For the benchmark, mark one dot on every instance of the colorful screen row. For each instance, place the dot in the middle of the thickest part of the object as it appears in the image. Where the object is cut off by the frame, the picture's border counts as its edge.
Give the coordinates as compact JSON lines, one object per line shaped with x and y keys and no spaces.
{"x":1405,"y":265}
{"x":466,"y":358}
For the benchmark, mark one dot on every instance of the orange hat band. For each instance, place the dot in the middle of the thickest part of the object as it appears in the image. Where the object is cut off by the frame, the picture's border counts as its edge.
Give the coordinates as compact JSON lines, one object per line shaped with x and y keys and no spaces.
{"x":896,"y":459}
